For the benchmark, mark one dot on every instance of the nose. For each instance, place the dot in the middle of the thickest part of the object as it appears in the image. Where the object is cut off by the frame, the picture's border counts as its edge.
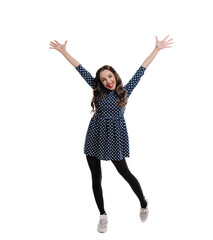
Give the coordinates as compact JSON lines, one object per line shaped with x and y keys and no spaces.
{"x":109,"y":80}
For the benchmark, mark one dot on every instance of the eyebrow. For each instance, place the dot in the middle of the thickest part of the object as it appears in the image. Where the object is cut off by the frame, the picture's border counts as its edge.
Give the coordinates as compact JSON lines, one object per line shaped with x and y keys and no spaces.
{"x":104,"y":77}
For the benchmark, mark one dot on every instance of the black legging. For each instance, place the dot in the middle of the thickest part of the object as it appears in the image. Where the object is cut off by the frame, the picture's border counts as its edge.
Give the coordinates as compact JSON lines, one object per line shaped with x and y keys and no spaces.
{"x":121,"y":166}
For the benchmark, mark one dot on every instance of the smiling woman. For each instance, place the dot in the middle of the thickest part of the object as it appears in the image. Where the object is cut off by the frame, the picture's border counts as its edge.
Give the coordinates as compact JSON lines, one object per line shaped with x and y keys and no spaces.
{"x":108,"y":79}
{"x":107,"y":136}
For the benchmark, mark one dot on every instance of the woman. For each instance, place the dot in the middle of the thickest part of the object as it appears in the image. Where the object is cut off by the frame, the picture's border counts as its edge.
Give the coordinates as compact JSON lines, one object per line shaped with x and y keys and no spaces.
{"x":107,"y":136}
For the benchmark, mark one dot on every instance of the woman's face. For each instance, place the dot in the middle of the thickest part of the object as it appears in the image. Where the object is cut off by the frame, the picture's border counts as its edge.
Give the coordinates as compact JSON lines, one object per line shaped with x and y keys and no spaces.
{"x":108,"y":79}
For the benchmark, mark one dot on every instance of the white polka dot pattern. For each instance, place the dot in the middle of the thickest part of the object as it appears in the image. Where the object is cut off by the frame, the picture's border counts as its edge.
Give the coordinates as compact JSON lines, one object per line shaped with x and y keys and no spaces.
{"x":85,"y":74}
{"x":134,"y":80}
{"x":107,"y":136}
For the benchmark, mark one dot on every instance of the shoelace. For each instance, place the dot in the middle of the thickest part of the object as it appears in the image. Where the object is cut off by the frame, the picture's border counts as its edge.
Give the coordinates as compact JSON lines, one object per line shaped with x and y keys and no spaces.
{"x":144,"y":211}
{"x":103,"y":222}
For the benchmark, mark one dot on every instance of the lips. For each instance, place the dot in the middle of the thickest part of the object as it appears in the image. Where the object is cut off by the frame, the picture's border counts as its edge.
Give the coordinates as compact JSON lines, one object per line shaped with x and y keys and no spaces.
{"x":111,"y":85}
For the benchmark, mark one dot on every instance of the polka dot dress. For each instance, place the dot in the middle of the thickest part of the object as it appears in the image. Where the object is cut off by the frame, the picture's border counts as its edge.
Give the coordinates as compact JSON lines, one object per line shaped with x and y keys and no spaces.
{"x":107,"y":136}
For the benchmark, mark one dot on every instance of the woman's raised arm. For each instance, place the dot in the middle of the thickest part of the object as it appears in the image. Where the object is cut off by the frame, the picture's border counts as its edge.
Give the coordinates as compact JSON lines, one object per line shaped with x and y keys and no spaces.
{"x":140,"y":72}
{"x":159,"y":46}
{"x":82,"y":71}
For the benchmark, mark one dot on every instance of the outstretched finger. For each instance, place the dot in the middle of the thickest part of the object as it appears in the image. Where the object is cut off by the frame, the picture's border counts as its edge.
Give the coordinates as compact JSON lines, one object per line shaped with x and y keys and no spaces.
{"x":56,"y":41}
{"x":170,"y":39}
{"x":165,"y":38}
{"x":53,"y":43}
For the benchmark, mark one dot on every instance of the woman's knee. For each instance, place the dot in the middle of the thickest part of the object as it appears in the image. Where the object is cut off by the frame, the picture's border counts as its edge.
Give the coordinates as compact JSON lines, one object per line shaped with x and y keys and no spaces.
{"x":122,"y":168}
{"x":94,"y":163}
{"x":95,"y":167}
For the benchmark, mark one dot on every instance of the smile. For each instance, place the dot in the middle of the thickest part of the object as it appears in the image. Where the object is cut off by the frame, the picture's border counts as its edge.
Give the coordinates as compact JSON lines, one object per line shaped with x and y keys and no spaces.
{"x":111,"y":85}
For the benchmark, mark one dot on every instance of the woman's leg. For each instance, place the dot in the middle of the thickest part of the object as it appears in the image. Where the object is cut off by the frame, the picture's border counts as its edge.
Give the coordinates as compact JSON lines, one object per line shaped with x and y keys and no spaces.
{"x":95,"y":167}
{"x":124,"y":171}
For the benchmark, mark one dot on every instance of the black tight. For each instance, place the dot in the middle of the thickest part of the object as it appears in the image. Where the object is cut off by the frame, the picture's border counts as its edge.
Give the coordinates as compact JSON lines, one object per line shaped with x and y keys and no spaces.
{"x":122,"y":168}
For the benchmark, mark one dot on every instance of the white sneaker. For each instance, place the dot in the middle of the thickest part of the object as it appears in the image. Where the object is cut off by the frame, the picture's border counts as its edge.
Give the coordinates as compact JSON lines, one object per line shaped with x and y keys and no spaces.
{"x":144,"y":212}
{"x":102,"y":225}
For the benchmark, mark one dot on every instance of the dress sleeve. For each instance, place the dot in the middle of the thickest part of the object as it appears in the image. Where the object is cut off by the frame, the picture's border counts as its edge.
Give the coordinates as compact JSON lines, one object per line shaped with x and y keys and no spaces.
{"x":134,"y":80}
{"x":86,"y":75}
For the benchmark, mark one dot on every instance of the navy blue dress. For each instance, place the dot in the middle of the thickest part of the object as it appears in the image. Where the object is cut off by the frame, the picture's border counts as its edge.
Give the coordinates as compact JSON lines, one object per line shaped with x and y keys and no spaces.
{"x":107,"y":136}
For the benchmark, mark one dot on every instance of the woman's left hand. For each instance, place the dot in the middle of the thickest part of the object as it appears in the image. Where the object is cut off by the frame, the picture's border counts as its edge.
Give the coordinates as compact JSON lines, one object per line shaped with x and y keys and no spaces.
{"x":163,"y":44}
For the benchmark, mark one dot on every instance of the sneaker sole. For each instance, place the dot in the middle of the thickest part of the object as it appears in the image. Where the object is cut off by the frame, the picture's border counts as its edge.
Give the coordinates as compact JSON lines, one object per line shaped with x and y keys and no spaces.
{"x":100,"y":230}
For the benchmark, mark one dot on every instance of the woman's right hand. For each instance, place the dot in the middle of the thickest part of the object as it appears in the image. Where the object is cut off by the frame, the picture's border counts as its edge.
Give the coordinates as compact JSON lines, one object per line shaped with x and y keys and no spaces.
{"x":58,"y":46}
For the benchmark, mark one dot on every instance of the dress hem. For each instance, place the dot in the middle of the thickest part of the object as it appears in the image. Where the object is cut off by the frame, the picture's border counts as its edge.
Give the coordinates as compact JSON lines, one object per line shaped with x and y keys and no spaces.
{"x":108,"y":159}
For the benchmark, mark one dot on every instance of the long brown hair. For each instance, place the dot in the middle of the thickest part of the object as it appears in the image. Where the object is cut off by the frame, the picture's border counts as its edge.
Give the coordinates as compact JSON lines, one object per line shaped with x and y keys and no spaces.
{"x":99,"y":90}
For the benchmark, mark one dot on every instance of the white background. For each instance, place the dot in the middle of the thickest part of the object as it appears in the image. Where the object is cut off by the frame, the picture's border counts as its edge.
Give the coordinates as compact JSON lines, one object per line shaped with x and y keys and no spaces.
{"x":45,"y":182}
